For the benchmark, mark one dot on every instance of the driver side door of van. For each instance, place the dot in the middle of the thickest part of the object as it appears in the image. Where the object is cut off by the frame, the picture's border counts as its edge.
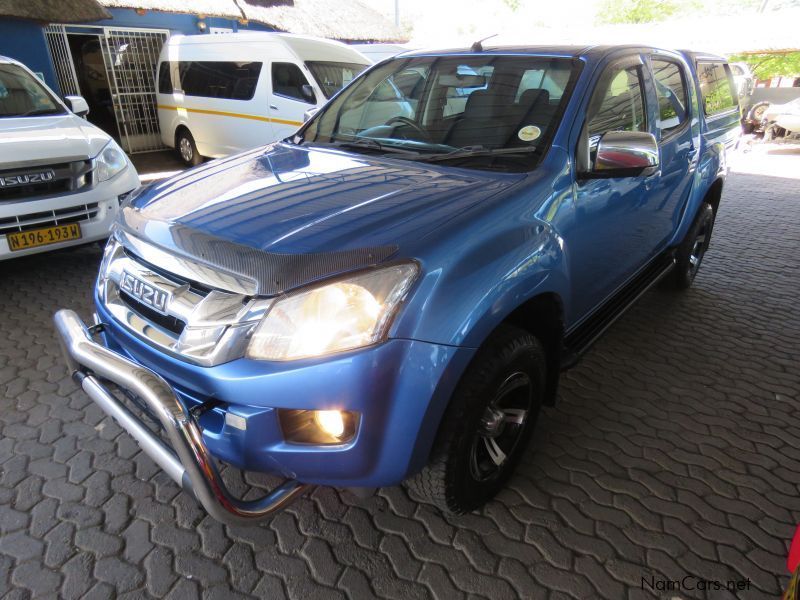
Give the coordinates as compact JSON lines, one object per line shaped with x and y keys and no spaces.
{"x":290,"y":95}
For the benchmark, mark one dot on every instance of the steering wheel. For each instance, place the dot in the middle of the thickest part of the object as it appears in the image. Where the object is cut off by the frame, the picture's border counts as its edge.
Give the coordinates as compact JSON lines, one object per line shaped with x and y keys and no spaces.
{"x":411,"y":123}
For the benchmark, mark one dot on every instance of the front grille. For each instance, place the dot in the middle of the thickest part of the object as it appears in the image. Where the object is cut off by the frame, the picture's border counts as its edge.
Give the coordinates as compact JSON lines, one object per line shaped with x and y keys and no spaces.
{"x":194,"y":286}
{"x":169,"y":323}
{"x":48,"y":218}
{"x":66,"y":178}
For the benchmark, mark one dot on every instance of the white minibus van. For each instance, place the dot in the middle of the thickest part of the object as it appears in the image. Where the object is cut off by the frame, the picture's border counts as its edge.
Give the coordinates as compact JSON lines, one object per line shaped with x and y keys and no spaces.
{"x":223,"y":93}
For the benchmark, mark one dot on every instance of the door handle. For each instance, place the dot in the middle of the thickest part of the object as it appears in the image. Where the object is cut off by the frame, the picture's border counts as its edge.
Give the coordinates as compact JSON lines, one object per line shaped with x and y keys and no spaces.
{"x":273,"y":107}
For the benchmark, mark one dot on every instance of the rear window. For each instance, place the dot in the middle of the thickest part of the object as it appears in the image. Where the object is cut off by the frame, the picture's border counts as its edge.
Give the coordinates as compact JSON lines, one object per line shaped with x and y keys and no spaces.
{"x":211,"y":79}
{"x":716,"y":87}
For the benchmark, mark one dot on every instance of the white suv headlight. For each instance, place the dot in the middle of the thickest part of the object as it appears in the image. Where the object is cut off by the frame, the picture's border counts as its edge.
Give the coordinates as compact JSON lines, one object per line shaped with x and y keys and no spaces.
{"x":342,"y":315}
{"x":109,"y":162}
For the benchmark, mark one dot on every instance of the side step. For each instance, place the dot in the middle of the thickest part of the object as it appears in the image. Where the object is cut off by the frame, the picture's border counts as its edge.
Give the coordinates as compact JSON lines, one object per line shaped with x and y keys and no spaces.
{"x":578,"y":341}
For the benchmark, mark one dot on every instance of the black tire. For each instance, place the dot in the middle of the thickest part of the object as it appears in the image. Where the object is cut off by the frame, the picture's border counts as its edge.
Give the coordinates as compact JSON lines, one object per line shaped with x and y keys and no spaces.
{"x":693,"y":248}
{"x":507,"y":374}
{"x":187,"y":149}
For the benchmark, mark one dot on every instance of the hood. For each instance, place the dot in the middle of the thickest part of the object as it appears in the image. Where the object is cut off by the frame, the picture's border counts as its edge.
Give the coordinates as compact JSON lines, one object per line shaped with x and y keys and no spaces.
{"x":295,"y":200}
{"x":48,"y":139}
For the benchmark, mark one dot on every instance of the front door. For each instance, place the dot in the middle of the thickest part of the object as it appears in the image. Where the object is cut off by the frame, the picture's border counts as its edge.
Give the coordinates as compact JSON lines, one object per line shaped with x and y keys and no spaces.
{"x":609,"y":237}
{"x":288,"y":98}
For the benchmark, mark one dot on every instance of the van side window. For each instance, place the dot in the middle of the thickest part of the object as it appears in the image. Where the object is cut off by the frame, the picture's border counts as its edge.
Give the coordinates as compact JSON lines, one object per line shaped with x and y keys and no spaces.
{"x":288,"y":80}
{"x":716,"y":86}
{"x":671,"y":92}
{"x":618,"y":103}
{"x":218,"y":79}
{"x":164,"y":79}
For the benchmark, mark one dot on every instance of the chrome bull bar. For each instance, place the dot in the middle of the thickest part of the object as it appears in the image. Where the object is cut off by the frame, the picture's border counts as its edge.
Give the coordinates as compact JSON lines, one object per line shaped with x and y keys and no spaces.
{"x":188,"y":462}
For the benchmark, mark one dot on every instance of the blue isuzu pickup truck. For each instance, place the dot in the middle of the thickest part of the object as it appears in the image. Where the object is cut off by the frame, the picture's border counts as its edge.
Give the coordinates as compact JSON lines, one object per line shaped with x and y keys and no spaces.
{"x":390,"y":294}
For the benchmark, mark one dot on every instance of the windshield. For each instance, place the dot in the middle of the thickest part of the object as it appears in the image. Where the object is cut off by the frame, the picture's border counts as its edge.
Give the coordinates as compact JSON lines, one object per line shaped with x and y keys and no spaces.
{"x":451,"y":107}
{"x":21,"y":95}
{"x":333,"y":76}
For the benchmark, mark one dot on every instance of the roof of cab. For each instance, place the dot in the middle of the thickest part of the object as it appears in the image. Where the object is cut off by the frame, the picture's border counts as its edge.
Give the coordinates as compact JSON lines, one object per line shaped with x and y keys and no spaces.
{"x":573,"y":51}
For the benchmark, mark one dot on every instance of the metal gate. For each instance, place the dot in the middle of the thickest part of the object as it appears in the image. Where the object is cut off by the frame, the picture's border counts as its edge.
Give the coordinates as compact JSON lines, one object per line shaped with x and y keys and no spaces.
{"x":130,"y":58}
{"x":62,"y":60}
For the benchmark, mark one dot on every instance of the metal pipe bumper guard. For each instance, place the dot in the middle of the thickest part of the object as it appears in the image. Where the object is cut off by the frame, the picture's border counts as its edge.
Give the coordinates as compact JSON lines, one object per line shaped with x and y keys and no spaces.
{"x":188,"y":462}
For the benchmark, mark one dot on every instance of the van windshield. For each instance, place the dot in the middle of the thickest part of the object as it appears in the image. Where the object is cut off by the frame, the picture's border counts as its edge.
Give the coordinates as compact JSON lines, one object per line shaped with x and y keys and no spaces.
{"x":333,"y":76}
{"x":486,"y":110}
{"x":21,"y":95}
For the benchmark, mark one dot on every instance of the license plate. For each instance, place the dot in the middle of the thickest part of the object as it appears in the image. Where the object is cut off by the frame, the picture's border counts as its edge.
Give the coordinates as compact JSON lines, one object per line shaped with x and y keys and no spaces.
{"x":42,"y":237}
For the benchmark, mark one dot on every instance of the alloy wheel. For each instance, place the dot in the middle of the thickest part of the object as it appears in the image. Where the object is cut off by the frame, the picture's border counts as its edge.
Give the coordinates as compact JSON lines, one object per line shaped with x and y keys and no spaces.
{"x":501,"y":427}
{"x":187,"y":153}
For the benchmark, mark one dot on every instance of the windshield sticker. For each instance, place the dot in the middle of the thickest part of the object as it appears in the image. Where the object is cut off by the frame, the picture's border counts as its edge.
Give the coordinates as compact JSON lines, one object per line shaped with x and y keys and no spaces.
{"x":529,"y":133}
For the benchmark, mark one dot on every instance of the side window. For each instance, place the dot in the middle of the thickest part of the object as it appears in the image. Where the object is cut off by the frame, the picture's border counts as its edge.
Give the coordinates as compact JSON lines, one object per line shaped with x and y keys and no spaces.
{"x":288,"y":81}
{"x":716,"y":86}
{"x":617,"y":103}
{"x":164,"y":79}
{"x":217,"y":79}
{"x":671,"y":92}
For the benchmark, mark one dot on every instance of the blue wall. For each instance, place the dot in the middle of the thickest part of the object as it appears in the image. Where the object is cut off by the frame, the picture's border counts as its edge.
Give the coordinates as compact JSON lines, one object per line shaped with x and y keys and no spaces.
{"x":178,"y":23}
{"x":25,"y":41}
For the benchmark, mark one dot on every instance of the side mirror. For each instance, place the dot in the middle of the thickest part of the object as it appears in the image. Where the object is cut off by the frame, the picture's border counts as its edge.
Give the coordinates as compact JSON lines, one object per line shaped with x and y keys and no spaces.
{"x":308,"y":93}
{"x":625,"y":154}
{"x":309,"y":113}
{"x":78,"y":105}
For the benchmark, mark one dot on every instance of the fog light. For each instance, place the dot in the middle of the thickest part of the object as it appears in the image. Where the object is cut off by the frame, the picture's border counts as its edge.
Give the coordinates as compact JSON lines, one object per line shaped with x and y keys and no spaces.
{"x":318,"y":426}
{"x":330,"y":421}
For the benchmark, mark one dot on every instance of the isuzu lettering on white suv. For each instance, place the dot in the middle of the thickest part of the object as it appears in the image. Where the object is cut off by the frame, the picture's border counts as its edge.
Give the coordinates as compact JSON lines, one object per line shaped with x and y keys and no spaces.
{"x":61,"y":178}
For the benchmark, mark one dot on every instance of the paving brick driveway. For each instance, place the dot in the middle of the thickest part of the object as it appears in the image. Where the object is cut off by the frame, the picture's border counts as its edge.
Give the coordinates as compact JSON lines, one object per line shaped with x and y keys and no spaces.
{"x":674,"y":451}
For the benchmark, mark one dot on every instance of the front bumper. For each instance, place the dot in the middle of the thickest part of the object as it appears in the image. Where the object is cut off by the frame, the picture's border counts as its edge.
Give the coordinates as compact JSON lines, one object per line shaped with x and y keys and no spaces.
{"x":106,"y":195}
{"x":188,"y":462}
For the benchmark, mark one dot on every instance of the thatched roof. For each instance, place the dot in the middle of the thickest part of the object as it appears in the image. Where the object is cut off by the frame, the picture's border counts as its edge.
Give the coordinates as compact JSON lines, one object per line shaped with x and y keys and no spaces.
{"x":336,"y":19}
{"x":349,"y":20}
{"x":54,"y":11}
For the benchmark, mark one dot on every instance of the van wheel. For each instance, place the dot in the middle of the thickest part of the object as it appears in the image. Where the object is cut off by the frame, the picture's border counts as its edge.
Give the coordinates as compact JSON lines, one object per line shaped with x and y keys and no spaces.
{"x":692,"y":249}
{"x":187,"y":149}
{"x":487,"y":424}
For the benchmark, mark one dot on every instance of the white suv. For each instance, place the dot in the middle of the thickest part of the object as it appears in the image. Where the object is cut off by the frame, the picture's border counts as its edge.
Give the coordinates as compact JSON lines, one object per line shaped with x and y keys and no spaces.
{"x":61,"y":178}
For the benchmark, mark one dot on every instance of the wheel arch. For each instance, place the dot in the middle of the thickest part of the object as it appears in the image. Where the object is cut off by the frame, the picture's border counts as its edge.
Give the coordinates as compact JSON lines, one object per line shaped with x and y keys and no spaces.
{"x":543,"y":317}
{"x":714,"y":194}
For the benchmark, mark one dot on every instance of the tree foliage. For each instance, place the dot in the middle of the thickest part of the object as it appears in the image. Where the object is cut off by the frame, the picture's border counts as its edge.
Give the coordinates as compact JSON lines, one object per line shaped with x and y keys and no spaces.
{"x":769,"y":65}
{"x":638,"y":11}
{"x":650,"y":11}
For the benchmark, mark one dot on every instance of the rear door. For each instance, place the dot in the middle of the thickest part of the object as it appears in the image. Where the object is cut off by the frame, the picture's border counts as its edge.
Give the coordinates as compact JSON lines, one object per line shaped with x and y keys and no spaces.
{"x":288,"y":98}
{"x":678,"y":145}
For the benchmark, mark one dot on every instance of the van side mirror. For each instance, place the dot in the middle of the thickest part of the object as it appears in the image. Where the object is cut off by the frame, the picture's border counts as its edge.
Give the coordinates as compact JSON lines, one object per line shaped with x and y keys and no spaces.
{"x":308,"y":93}
{"x":624,"y":154}
{"x":77,"y":104}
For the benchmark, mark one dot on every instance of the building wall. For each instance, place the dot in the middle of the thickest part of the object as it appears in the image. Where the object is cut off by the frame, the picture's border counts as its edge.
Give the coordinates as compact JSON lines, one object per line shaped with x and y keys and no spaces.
{"x":24,"y":41}
{"x":177,"y":23}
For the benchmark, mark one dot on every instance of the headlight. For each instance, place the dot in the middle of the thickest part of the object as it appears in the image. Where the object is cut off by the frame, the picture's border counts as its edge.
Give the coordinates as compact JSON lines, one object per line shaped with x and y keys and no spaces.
{"x":346,"y":314}
{"x":109,"y":162}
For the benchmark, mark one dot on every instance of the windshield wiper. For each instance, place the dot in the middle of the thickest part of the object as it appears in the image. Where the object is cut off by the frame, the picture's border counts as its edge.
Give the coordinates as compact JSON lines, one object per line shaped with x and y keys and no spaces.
{"x":469,"y":151}
{"x":372,"y":144}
